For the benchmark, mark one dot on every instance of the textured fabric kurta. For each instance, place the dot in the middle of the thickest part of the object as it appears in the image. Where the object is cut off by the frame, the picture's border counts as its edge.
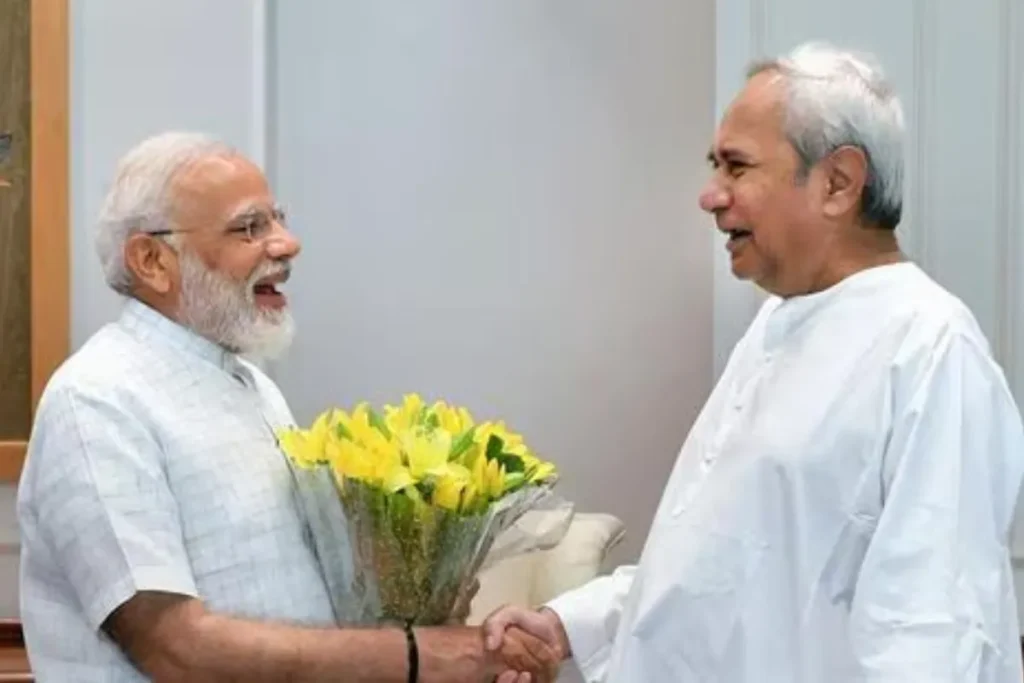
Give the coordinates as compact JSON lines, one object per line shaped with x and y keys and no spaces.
{"x":152,"y":466}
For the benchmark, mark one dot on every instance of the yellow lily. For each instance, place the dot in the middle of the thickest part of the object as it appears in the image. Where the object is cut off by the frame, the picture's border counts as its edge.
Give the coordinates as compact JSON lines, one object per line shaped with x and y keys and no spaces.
{"x":397,"y":479}
{"x":487,"y":477}
{"x":426,"y":452}
{"x":404,"y":418}
{"x":449,"y":487}
{"x":319,"y":430}
{"x":298,"y":446}
{"x":439,"y":445}
{"x":542,"y":471}
{"x":451,"y":419}
{"x":511,"y":442}
{"x":361,"y":427}
{"x":471,"y":498}
{"x":351,"y":461}
{"x":495,"y":479}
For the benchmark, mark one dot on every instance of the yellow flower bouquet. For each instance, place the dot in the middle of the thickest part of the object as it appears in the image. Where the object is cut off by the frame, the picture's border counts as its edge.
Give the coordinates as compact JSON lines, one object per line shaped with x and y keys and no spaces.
{"x":405,"y":504}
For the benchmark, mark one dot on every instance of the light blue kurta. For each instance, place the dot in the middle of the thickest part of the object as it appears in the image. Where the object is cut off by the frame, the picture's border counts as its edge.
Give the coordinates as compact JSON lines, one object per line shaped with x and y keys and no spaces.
{"x":152,"y":466}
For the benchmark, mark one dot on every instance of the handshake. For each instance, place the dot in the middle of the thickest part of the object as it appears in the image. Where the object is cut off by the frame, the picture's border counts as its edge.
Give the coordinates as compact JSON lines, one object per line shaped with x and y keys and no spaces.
{"x":525,"y":646}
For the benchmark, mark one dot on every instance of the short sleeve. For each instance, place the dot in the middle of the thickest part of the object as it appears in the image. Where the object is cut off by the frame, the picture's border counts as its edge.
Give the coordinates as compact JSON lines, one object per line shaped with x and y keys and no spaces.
{"x":102,"y":505}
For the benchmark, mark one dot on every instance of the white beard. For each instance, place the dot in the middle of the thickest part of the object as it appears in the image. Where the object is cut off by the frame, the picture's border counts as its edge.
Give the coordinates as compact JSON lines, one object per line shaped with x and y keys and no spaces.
{"x":225,"y":310}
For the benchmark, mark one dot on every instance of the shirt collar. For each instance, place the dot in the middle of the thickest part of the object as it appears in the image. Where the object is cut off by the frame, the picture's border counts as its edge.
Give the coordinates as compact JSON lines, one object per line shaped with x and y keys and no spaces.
{"x":150,"y":325}
{"x":791,"y":313}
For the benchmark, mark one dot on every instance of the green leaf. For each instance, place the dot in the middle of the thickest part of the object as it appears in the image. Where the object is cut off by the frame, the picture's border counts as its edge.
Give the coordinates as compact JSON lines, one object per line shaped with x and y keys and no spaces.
{"x":342,"y":432}
{"x":495,"y":446}
{"x":377,"y":422}
{"x":514,"y":480}
{"x":462,"y":444}
{"x":512,"y":463}
{"x":413,"y":494}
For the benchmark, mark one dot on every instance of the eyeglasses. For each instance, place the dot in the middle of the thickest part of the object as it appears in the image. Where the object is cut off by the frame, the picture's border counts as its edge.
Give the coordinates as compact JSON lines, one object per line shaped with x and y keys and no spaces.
{"x":252,"y":226}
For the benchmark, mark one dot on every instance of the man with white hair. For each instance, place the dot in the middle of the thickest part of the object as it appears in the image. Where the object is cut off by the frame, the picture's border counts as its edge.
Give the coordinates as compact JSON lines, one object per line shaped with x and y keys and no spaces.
{"x":841,"y":508}
{"x":160,"y":535}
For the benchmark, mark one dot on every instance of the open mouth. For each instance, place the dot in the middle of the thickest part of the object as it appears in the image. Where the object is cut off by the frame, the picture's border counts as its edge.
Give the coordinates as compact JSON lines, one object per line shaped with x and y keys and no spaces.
{"x":737,"y":238}
{"x":268,"y":294}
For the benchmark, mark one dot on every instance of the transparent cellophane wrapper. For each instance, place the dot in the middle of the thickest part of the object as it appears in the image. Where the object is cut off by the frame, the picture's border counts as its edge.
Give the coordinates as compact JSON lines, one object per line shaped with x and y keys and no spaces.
{"x":389,"y":560}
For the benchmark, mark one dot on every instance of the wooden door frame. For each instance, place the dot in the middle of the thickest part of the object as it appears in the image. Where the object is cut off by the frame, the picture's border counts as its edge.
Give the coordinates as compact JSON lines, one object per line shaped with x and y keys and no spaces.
{"x":50,"y":265}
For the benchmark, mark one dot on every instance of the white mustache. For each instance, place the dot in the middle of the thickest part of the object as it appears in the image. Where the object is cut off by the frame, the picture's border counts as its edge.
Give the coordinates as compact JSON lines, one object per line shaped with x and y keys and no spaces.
{"x":270,"y":269}
{"x":224,"y":309}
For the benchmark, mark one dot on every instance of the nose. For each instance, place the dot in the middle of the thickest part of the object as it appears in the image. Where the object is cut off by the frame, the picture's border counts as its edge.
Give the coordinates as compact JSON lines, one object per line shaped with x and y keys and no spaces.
{"x":714,"y":197}
{"x":282,"y":244}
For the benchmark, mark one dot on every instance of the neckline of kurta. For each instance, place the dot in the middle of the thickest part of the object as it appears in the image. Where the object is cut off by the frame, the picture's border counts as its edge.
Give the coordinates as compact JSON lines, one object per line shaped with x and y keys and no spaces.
{"x":148,"y":324}
{"x":793,"y":312}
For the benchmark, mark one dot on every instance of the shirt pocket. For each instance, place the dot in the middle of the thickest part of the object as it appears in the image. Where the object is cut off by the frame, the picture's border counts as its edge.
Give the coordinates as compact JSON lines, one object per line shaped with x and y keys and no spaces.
{"x":695,"y":581}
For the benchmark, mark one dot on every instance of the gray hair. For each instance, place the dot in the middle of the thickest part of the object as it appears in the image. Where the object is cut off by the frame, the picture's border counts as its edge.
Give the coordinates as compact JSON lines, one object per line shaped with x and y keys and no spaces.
{"x":139,"y":199}
{"x":836,"y":99}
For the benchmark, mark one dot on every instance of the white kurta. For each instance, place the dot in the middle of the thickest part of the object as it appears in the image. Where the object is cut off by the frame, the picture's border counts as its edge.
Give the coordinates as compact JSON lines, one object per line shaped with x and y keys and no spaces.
{"x":839,"y":512}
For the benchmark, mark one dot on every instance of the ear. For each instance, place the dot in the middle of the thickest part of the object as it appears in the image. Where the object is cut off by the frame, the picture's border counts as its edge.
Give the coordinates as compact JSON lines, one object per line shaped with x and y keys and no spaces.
{"x":151,"y":261}
{"x":846,"y":175}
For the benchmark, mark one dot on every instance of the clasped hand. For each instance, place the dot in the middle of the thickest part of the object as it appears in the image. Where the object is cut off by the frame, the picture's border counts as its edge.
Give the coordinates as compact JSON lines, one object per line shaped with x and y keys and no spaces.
{"x":527,"y":646}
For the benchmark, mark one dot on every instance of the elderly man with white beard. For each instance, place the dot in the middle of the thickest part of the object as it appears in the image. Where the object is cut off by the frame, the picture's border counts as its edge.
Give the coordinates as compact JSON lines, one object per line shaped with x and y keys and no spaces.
{"x":160,"y":535}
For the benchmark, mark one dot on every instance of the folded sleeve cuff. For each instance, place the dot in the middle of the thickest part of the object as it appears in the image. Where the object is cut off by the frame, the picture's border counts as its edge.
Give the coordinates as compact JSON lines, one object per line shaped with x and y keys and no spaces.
{"x":585,"y":627}
{"x":144,"y":579}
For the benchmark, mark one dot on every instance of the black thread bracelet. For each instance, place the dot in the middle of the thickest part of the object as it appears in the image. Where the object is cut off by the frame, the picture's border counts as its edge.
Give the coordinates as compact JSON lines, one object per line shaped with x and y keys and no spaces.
{"x":414,"y":653}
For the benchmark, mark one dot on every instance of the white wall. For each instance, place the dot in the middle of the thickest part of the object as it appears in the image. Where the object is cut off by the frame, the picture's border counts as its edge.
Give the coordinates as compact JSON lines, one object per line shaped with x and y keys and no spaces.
{"x":959,"y":68}
{"x":139,"y":67}
{"x":547,"y":135}
{"x":498,"y":202}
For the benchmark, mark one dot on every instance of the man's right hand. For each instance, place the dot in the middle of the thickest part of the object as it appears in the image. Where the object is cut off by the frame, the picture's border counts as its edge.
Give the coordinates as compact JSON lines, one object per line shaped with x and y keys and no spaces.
{"x":523,"y":658}
{"x":543,"y":624}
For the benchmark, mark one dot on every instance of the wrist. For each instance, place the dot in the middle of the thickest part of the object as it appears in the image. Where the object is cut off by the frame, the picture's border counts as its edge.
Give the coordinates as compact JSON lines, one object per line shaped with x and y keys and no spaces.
{"x":413,"y":655}
{"x":564,"y":648}
{"x":451,"y":654}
